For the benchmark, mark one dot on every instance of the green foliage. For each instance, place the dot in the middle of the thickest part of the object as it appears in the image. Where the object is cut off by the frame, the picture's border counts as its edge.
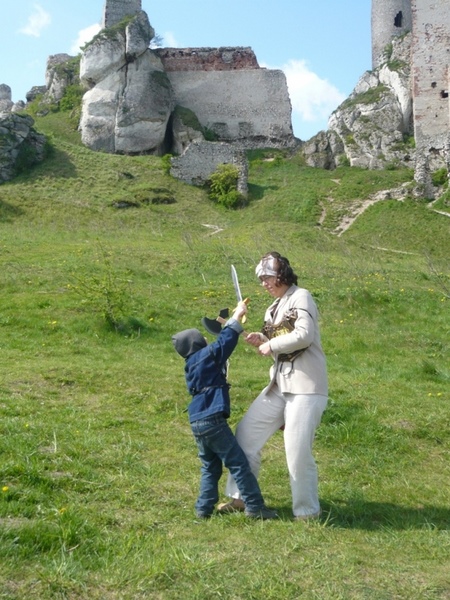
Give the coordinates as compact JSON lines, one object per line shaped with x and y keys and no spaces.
{"x":371,"y":96}
{"x":440,"y":177}
{"x":210,"y":135}
{"x":106,"y":292}
{"x":40,"y":107}
{"x":396,"y":65}
{"x":388,"y":50}
{"x":26,"y":158}
{"x":223,"y":187}
{"x":162,"y":79}
{"x":110,"y":33}
{"x":166,"y":162}
{"x":188,"y":117}
{"x":69,"y":69}
{"x":71,"y":100}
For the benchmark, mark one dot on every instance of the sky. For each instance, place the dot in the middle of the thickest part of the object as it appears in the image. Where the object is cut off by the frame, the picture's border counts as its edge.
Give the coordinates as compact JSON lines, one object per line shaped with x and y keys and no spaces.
{"x":323,"y":46}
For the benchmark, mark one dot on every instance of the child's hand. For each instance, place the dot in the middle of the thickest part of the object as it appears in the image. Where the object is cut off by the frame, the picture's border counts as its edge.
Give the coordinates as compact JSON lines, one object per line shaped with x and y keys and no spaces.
{"x":240,"y":311}
{"x":255,"y":338}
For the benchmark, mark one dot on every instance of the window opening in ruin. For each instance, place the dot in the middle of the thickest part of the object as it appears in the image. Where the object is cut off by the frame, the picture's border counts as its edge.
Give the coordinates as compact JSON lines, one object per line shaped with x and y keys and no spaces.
{"x":444,"y":94}
{"x":398,"y":21}
{"x":434,"y":84}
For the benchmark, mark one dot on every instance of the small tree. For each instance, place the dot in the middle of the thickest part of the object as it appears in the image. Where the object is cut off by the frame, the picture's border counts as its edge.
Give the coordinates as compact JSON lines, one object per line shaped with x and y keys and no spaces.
{"x":223,"y":187}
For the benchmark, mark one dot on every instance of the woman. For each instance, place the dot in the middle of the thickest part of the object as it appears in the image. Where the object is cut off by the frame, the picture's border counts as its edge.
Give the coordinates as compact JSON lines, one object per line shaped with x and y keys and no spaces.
{"x":297,"y":393}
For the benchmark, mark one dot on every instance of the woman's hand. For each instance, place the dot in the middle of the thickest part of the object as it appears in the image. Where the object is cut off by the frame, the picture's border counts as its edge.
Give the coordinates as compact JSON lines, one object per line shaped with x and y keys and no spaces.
{"x":255,"y":339}
{"x":265,"y":349}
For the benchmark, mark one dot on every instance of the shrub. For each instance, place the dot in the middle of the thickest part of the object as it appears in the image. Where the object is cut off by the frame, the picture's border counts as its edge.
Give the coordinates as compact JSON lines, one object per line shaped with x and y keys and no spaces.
{"x":73,"y":94}
{"x":440,"y":177}
{"x":223,"y":186}
{"x":166,"y":163}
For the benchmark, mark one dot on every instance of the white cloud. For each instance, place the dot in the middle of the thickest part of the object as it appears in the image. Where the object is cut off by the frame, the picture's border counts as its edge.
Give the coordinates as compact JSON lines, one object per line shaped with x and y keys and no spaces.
{"x":313,"y":98}
{"x":37,"y":21}
{"x":169,"y":40}
{"x":84,"y":36}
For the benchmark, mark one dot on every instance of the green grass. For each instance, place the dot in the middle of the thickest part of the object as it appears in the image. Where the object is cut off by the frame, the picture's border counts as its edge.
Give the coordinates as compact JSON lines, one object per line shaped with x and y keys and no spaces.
{"x":98,"y":468}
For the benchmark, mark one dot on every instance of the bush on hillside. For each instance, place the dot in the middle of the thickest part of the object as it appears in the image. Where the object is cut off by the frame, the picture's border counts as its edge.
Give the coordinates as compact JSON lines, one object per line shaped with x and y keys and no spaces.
{"x":223,"y":187}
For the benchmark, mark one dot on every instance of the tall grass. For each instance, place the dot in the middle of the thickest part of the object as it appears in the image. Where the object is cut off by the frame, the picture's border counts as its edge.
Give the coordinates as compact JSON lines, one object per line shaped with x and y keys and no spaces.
{"x":98,"y":469}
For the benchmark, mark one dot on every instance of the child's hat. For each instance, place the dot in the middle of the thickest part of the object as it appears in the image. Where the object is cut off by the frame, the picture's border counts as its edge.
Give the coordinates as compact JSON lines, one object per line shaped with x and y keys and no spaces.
{"x":188,"y":341}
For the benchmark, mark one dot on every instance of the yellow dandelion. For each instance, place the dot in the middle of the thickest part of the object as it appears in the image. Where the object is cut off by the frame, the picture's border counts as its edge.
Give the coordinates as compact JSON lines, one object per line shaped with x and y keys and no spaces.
{"x":5,"y":488}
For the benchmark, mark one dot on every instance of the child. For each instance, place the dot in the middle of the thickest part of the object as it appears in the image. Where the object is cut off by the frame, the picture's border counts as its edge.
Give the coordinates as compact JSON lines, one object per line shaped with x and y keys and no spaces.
{"x":205,"y":372}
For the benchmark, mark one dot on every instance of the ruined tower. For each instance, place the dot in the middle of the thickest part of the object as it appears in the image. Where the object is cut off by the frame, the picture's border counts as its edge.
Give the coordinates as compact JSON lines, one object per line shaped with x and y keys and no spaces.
{"x":390,"y":18}
{"x":430,"y":61}
{"x":116,"y":10}
{"x":428,"y":23}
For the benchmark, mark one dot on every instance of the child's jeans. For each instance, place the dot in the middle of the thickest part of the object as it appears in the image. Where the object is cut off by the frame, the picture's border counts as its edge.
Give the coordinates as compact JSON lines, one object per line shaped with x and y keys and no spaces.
{"x":217,"y":445}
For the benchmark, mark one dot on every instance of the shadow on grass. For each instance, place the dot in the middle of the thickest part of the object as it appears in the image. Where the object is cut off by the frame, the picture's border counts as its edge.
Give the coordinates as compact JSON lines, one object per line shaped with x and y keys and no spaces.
{"x":59,"y":164}
{"x":8,"y":212}
{"x":357,"y":514}
{"x":256,"y":192}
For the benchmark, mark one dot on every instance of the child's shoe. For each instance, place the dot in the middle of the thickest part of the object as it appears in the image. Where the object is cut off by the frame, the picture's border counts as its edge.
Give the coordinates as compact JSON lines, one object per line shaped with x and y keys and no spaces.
{"x":264,"y":513}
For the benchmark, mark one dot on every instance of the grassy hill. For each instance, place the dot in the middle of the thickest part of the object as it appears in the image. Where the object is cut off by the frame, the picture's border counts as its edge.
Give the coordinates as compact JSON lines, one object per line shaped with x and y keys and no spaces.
{"x":102,"y":259}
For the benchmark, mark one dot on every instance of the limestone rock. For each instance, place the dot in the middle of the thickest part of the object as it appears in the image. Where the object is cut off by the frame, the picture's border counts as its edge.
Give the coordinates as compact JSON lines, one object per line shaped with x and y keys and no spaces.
{"x":19,"y":106}
{"x":131,"y":99}
{"x":20,"y":145}
{"x":62,"y":71}
{"x":35,"y":92}
{"x":99,"y":110}
{"x":103,"y":56}
{"x":139,"y":33}
{"x":6,"y":103}
{"x":186,"y":128}
{"x":144,"y":108}
{"x":372,"y":127}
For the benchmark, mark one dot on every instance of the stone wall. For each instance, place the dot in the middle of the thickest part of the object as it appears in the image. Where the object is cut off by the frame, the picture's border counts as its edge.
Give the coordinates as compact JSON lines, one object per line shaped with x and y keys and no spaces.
{"x":207,"y":59}
{"x":201,"y":159}
{"x":251,"y":106}
{"x":116,"y":10}
{"x":431,"y":86}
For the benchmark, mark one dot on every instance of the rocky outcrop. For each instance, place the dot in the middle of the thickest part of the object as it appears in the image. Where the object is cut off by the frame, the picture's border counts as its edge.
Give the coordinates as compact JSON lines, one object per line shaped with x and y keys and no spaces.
{"x":185,"y":128}
{"x":35,"y":92}
{"x":6,"y":103}
{"x":20,"y":145}
{"x":130,"y":100}
{"x":373,"y":128}
{"x":62,"y":71}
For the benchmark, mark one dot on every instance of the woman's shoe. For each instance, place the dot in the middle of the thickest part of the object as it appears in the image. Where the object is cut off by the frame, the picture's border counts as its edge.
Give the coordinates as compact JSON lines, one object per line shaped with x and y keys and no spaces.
{"x":235,"y":505}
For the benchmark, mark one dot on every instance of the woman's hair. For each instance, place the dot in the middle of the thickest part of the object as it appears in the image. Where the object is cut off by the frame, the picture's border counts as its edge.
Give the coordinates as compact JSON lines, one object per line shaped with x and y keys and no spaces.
{"x":285,"y":274}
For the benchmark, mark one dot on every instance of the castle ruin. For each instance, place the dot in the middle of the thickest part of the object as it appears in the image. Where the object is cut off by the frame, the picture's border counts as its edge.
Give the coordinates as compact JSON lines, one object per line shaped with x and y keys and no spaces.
{"x":428,"y":21}
{"x":116,"y":10}
{"x":145,"y":100}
